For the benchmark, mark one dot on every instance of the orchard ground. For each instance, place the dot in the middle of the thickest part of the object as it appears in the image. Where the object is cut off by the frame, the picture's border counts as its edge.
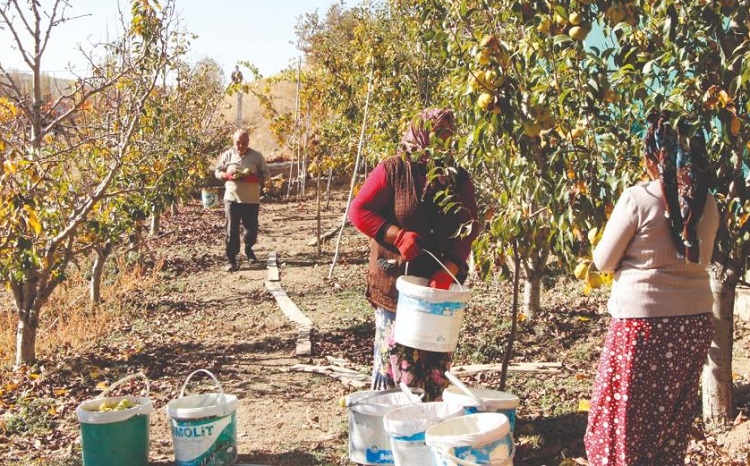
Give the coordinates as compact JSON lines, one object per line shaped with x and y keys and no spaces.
{"x":182,"y":312}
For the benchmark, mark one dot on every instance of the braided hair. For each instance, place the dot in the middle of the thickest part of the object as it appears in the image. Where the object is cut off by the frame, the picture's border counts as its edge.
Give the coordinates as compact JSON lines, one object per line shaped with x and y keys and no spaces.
{"x":680,"y":154}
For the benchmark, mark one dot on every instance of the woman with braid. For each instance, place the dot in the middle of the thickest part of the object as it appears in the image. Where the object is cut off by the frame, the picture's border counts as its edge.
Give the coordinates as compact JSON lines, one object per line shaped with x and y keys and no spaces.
{"x":658,"y":242}
{"x":398,"y":209}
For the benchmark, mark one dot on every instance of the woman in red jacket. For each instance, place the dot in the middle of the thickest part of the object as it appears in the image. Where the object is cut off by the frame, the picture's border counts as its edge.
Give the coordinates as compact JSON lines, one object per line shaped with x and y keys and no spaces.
{"x":397,"y":208}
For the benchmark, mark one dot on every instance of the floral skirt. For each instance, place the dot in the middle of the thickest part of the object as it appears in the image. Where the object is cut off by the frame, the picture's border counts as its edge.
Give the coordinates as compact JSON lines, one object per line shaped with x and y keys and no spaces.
{"x":394,"y":363}
{"x":646,"y":390}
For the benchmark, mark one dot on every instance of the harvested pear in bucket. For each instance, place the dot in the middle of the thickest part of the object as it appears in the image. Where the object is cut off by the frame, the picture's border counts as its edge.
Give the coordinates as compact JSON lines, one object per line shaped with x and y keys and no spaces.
{"x":123,"y":404}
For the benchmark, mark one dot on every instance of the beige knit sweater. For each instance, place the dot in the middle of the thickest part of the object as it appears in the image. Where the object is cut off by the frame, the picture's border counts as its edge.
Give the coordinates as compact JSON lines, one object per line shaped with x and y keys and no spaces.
{"x":650,"y":280}
{"x":241,"y":191}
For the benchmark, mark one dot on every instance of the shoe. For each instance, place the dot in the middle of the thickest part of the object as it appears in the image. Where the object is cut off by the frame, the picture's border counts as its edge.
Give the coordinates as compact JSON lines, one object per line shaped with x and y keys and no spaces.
{"x":232,"y":267}
{"x":251,"y":256}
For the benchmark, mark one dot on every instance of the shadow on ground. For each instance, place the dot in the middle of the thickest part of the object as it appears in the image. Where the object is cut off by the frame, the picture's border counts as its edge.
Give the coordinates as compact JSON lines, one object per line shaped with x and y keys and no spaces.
{"x":542,"y":439}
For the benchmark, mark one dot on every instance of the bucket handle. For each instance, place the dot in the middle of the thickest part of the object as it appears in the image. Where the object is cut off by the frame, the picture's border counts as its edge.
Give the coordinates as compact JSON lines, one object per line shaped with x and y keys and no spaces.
{"x":464,"y":388}
{"x":406,"y":269}
{"x":222,"y":397}
{"x":345,"y":403}
{"x":127,"y":379}
{"x":459,"y":461}
{"x":416,"y":401}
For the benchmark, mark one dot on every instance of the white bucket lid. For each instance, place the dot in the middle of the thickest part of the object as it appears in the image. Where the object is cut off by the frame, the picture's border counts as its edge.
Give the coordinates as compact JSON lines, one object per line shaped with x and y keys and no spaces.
{"x":493,"y":399}
{"x":410,"y":420}
{"x":472,"y":429}
{"x":87,"y":412}
{"x":416,"y":287}
{"x":202,"y":406}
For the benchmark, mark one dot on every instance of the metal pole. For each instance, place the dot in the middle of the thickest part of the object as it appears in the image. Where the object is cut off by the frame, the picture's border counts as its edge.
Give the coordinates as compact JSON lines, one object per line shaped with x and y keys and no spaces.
{"x":356,"y":167}
{"x":238,"y":119}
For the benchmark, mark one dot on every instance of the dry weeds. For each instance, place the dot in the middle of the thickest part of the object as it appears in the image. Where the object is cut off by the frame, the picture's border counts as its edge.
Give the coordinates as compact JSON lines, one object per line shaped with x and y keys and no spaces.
{"x":69,"y":320}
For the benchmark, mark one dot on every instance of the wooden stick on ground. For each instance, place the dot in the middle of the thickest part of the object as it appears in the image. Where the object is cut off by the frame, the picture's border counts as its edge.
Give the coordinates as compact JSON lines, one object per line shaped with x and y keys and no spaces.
{"x":325,"y":236}
{"x":541,"y":367}
{"x":287,"y":306}
{"x":358,"y":379}
{"x":347,"y":376}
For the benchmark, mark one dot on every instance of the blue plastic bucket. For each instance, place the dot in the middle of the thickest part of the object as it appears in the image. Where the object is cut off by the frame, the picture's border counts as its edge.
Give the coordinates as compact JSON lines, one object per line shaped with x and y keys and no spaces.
{"x":204,"y":427}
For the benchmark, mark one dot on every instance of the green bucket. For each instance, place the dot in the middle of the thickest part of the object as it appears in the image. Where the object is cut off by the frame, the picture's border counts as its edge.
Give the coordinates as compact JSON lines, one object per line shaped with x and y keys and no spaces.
{"x":204,"y":426}
{"x":115,"y":438}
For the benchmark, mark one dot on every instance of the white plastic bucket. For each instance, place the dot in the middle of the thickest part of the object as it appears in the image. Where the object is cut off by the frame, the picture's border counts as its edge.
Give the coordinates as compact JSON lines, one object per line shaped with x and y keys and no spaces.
{"x":471,"y":440}
{"x":204,"y":426}
{"x":407,"y":425}
{"x":493,"y":401}
{"x":368,"y":441}
{"x":210,"y":198}
{"x":428,"y":318}
{"x":115,"y":438}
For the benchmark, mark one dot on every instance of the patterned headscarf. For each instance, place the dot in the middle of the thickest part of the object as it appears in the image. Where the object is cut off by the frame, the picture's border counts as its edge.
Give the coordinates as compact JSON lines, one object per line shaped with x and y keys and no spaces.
{"x":683,"y":175}
{"x":417,"y":145}
{"x":417,"y":137}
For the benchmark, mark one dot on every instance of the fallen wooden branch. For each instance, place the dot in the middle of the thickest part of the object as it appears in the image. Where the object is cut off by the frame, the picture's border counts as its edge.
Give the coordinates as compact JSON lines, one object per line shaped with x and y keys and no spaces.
{"x":303,"y":217}
{"x":348,"y":376}
{"x":340,"y":362}
{"x":325,"y":236}
{"x":358,"y":379}
{"x":542,"y":367}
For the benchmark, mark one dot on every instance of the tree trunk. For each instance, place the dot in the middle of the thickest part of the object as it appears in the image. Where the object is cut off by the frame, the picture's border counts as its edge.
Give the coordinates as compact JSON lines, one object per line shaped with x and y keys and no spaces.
{"x":328,"y":188}
{"x":95,"y":285}
{"x":717,"y":372}
{"x":26,"y":338}
{"x":514,"y":320}
{"x":155,"y":221}
{"x":317,"y":224}
{"x":532,"y":292}
{"x":534,"y":268}
{"x":173,"y":208}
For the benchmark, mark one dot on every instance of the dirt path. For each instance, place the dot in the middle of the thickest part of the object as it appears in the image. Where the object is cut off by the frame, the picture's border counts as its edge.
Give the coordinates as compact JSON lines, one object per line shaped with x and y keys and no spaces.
{"x":240,"y":334}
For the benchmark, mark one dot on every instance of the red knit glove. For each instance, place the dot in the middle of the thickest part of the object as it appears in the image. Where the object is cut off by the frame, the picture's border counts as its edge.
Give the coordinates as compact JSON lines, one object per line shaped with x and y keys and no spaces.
{"x":407,"y":243}
{"x":229,"y":176}
{"x":441,"y":280}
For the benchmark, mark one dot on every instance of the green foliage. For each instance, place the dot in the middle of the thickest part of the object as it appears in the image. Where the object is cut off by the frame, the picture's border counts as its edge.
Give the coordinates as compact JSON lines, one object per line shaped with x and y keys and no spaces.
{"x":350,"y":51}
{"x":553,"y":95}
{"x":31,"y":416}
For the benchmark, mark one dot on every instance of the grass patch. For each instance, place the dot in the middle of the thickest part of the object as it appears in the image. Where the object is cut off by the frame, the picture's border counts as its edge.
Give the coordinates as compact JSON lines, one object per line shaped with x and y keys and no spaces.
{"x":31,"y":416}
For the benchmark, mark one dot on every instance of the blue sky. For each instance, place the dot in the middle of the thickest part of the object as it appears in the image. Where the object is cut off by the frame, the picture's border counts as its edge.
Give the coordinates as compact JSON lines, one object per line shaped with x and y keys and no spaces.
{"x":259,"y":31}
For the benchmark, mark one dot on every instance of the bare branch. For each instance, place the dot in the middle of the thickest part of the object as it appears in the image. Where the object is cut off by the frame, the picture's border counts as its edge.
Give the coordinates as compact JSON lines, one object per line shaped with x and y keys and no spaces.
{"x":8,"y":20}
{"x":53,"y":21}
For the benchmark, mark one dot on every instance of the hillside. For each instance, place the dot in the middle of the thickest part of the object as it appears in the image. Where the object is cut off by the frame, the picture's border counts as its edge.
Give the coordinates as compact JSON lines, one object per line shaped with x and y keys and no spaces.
{"x":52,"y":87}
{"x":283,"y":95}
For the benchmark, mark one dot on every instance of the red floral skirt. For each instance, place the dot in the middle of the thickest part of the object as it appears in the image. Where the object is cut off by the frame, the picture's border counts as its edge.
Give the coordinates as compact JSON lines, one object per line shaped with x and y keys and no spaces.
{"x":646,"y":390}
{"x":394,"y":363}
